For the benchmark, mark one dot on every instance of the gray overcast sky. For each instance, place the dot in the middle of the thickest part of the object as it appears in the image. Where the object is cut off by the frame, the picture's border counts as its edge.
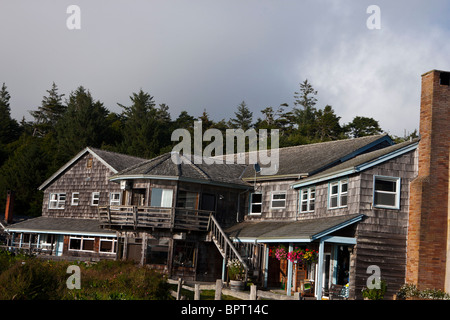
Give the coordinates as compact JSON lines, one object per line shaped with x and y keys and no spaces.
{"x":195,"y":55}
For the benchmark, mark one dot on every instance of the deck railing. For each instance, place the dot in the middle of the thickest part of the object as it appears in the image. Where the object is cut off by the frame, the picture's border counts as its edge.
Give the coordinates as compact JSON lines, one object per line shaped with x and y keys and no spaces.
{"x":154,"y":217}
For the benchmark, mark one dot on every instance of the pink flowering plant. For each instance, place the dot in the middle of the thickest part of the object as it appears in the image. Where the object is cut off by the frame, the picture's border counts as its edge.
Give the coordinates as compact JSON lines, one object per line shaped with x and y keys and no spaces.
{"x":298,"y":255}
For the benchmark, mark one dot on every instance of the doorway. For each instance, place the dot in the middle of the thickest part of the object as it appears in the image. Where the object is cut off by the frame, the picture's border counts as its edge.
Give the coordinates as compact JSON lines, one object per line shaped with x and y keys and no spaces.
{"x":138,"y":197}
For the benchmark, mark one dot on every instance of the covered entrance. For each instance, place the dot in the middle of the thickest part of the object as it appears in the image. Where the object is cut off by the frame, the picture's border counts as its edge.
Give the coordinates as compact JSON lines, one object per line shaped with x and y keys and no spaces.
{"x":329,"y":241}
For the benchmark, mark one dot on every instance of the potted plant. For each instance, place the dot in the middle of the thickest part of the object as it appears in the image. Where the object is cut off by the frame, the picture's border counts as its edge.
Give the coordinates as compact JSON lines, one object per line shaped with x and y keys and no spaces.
{"x":374,"y":293}
{"x":236,"y":272}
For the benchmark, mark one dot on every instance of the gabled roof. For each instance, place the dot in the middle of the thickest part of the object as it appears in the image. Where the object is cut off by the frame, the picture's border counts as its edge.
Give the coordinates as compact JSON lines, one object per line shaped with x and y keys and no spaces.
{"x":113,"y":160}
{"x":307,"y":160}
{"x":360,"y":163}
{"x":163,"y":167}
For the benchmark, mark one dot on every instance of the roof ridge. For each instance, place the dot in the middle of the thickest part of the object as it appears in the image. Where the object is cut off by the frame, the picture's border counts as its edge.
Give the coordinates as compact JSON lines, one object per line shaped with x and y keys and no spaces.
{"x":197,"y":168}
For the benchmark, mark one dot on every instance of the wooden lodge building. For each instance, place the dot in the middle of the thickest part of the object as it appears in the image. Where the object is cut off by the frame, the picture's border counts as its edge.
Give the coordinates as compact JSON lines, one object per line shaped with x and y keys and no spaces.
{"x":357,"y":202}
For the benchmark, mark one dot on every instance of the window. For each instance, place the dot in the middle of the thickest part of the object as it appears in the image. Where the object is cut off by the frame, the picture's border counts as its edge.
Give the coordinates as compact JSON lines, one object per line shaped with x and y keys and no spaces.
{"x":95,"y":198}
{"x":161,"y":198}
{"x":108,"y":245}
{"x":307,"y":199}
{"x":81,"y":243}
{"x":57,"y":201}
{"x":256,"y":203}
{"x":386,"y":192}
{"x":75,"y":198}
{"x":338,"y":191}
{"x":114,"y":199}
{"x":89,"y":163}
{"x":278,"y":200}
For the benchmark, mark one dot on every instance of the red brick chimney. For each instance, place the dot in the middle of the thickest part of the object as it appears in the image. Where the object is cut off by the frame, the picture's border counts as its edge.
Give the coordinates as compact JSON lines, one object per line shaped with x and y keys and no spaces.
{"x":428,"y":252}
{"x":9,"y":207}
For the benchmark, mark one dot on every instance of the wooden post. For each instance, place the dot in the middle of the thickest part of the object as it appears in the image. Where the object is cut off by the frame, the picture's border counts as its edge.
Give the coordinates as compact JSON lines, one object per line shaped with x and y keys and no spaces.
{"x":218,"y":294}
{"x":180,"y":285}
{"x":253,"y":292}
{"x":197,"y":292}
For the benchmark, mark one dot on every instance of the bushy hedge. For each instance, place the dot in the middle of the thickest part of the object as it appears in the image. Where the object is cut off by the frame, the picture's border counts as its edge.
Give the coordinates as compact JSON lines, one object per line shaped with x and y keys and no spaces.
{"x":26,"y":278}
{"x":410,"y":291}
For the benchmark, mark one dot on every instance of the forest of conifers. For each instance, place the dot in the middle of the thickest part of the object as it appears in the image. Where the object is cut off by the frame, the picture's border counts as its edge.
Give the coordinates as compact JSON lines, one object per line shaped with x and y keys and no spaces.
{"x":31,"y":151}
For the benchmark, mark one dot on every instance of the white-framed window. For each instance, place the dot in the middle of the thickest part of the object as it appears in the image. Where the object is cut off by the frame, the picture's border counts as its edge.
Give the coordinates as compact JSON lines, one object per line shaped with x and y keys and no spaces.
{"x":57,"y":201}
{"x":256,"y":203}
{"x":80,"y":243}
{"x":108,"y":245}
{"x":161,"y":198}
{"x":278,"y":200}
{"x":337,"y":194}
{"x":95,"y":198}
{"x":386,"y":192}
{"x":307,"y":199}
{"x":115,"y":198}
{"x":75,"y":199}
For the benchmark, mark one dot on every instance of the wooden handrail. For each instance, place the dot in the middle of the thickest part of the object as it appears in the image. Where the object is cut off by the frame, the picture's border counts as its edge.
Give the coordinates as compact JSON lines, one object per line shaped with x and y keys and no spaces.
{"x":220,"y":237}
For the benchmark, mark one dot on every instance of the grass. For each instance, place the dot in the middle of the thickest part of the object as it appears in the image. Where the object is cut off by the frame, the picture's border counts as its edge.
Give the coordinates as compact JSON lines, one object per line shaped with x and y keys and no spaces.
{"x":28,"y":278}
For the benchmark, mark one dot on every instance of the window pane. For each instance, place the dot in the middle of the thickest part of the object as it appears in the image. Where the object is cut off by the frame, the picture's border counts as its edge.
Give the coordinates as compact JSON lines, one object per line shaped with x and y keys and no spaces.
{"x":385,"y":185}
{"x":166,"y":200}
{"x":344,"y":200}
{"x":385,"y":199}
{"x":333,"y":202}
{"x":88,"y":245}
{"x":311,"y":205}
{"x":304,"y":207}
{"x":305,"y":194}
{"x":256,"y":208}
{"x":155,"y":200}
{"x":75,"y":244}
{"x":344,"y":187}
{"x":334,"y":189}
{"x":278,"y":204}
{"x":256,"y":197}
{"x":279,"y":196}
{"x":106,"y":246}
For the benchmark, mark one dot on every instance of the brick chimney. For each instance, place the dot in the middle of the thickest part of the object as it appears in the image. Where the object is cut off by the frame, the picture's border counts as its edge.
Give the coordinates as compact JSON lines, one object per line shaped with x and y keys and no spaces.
{"x":428,"y":252}
{"x":9,"y":207}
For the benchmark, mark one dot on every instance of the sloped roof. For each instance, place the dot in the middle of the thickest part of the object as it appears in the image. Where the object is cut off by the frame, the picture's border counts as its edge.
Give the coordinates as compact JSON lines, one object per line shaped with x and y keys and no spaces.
{"x":302,"y":230}
{"x":60,"y":226}
{"x":113,"y":160}
{"x":361,"y":162}
{"x":164,"y":167}
{"x":306,"y":160}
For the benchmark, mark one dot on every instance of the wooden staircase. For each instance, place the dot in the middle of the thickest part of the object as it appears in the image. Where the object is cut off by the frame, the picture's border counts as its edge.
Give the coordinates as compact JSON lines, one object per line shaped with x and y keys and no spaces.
{"x":224,"y":244}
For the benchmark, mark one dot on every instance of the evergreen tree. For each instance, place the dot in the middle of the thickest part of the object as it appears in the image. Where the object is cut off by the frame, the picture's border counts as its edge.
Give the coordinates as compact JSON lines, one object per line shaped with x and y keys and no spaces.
{"x":49,"y":113}
{"x":83,"y":124}
{"x":327,"y":125}
{"x":9,"y":128}
{"x":145,"y":127}
{"x":362,"y":126}
{"x":244,"y":118}
{"x":306,"y":116}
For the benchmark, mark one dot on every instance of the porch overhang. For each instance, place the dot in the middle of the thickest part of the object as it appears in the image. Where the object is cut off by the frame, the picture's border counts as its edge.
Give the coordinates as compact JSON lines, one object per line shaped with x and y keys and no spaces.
{"x":301,"y":231}
{"x":66,"y":226}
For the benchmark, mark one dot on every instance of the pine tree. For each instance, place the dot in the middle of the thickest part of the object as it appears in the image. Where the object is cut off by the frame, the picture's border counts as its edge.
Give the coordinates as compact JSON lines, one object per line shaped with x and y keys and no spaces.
{"x":49,"y":113}
{"x":83,"y":124}
{"x":362,"y":126}
{"x":9,"y":128}
{"x":306,"y":116}
{"x":244,"y":118}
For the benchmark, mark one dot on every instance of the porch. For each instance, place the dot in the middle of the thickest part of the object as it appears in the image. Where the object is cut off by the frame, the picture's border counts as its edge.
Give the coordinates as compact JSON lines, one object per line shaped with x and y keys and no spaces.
{"x":332,"y":239}
{"x":154,"y":217}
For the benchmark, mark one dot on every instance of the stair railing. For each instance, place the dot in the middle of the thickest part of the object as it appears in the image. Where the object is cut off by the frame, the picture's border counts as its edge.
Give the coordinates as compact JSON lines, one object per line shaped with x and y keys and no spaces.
{"x":224,"y":244}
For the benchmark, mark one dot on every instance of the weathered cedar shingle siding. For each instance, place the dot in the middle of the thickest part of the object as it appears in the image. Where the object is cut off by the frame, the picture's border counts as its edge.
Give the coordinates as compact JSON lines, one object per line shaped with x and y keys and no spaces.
{"x":79,"y":178}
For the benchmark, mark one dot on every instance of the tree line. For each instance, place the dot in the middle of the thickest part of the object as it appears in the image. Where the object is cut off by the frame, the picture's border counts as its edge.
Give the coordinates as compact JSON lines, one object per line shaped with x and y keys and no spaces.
{"x":31,"y":151}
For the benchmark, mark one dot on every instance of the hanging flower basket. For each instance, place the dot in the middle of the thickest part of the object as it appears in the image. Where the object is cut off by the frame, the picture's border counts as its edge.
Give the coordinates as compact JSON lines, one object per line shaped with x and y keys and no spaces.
{"x":298,"y":255}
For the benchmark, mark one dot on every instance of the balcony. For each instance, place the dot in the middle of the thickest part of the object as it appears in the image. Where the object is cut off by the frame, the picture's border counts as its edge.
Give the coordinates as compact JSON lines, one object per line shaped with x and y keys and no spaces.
{"x":154,"y":217}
